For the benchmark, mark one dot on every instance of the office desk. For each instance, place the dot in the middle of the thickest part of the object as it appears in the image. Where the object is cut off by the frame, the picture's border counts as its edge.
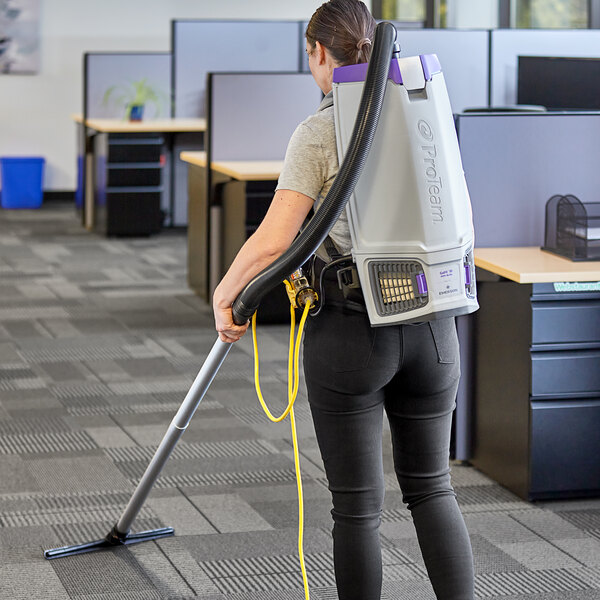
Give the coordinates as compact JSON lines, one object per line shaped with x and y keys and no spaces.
{"x":220,"y":224}
{"x":242,"y":170}
{"x":537,"y":379}
{"x":155,"y":125}
{"x":123,"y":178}
{"x":533,"y":265}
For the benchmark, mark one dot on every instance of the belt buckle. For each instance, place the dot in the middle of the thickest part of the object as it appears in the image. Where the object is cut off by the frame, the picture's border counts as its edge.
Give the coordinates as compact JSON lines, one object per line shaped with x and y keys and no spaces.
{"x":348,"y":278}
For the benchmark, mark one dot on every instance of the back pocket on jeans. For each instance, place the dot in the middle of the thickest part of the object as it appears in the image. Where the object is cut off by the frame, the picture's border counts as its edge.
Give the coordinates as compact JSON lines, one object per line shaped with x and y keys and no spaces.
{"x":445,"y":339}
{"x":343,"y":340}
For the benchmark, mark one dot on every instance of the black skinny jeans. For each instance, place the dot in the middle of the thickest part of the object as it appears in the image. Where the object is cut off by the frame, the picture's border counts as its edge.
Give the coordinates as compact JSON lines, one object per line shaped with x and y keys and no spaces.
{"x":353,"y":373}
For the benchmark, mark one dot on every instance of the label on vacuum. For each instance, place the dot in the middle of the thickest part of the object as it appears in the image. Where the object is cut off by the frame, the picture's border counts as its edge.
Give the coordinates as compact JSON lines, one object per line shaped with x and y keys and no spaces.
{"x":445,"y":281}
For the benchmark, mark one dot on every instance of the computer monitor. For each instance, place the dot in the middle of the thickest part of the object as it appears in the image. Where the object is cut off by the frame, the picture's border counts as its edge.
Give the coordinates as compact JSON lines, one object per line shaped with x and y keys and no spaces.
{"x":559,"y":83}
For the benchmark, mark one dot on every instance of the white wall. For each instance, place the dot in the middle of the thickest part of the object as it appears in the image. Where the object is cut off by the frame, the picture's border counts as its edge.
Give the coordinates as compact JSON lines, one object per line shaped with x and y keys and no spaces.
{"x":35,"y":110}
{"x":473,"y":14}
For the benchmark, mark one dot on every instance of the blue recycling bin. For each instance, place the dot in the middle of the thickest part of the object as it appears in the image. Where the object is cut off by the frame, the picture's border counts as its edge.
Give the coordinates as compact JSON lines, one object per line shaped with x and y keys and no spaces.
{"x":22,"y":181}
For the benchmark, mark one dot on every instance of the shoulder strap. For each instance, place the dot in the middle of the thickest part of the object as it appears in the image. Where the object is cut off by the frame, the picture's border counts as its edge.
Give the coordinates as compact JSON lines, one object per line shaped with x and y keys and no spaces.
{"x":331,"y":249}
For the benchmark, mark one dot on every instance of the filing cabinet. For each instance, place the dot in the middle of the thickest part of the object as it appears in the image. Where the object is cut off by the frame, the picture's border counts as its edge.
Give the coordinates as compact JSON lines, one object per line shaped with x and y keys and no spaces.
{"x":128,"y":183}
{"x":537,"y":388}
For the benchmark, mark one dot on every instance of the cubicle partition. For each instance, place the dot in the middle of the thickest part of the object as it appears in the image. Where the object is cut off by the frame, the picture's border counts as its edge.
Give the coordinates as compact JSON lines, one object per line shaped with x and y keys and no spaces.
{"x":203,"y":46}
{"x":464,"y":56}
{"x":514,"y":162}
{"x":252,"y":115}
{"x":110,"y":81}
{"x":199,"y":47}
{"x":508,"y":44}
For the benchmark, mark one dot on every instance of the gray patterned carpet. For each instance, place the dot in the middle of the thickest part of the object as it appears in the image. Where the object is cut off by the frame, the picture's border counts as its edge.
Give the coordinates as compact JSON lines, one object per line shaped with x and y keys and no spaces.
{"x":99,"y":342}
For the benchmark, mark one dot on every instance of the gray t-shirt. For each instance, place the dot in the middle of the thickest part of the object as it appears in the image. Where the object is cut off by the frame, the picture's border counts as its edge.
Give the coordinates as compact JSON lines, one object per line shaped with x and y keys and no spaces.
{"x":311,"y":164}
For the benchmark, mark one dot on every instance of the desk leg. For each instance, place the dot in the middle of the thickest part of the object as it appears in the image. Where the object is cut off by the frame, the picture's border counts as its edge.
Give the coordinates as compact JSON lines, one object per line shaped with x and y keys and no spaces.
{"x":215,"y":252}
{"x":167,"y":203}
{"x":234,"y":221}
{"x":197,"y":231}
{"x":89,"y":192}
{"x":88,"y":179}
{"x":227,"y":227}
{"x":203,"y":252}
{"x":179,"y":201}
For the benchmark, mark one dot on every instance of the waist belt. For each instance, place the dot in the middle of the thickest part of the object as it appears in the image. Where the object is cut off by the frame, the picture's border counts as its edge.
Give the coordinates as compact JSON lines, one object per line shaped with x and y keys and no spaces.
{"x":339,"y":284}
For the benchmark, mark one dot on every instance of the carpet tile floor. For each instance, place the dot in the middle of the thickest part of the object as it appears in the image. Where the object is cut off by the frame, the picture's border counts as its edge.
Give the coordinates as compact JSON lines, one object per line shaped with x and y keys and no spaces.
{"x":100,"y":340}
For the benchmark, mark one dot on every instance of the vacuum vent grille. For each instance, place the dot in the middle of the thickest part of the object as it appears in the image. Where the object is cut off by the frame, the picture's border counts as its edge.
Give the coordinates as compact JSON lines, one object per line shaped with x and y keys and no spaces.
{"x":398,"y":287}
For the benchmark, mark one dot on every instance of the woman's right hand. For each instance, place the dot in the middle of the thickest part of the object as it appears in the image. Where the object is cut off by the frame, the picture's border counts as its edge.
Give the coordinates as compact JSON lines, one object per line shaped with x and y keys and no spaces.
{"x":228,"y":331}
{"x":283,"y":220}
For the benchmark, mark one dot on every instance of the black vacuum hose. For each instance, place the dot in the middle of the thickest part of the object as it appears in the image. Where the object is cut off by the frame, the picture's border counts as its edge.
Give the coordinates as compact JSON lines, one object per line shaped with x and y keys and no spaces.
{"x":312,"y":236}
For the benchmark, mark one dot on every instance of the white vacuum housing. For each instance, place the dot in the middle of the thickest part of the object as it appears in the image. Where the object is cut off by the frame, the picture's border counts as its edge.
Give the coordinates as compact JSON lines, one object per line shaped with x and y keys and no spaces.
{"x":410,"y":213}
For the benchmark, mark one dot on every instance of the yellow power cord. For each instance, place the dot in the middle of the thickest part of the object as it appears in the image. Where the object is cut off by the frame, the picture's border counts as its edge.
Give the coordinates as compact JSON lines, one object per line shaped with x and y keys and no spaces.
{"x":293,"y":379}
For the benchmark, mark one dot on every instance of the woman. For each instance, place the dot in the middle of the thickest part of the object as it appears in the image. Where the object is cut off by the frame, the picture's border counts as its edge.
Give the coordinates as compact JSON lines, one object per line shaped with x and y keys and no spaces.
{"x":353,"y":371}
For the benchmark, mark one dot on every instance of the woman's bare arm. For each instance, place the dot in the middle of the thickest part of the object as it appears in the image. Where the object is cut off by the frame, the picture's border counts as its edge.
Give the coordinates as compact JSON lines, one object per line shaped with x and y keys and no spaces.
{"x":278,"y":229}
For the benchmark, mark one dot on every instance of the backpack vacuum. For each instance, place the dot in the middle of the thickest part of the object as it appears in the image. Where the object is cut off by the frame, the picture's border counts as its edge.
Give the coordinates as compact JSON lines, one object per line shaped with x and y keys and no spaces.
{"x":410,"y":213}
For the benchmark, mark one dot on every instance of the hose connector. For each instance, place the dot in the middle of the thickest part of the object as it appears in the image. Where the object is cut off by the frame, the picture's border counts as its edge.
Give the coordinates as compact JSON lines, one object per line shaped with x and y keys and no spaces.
{"x":299,"y":290}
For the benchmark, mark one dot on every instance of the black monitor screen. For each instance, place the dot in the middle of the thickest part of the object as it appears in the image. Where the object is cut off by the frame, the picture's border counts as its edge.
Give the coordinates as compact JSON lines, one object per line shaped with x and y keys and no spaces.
{"x":559,"y":83}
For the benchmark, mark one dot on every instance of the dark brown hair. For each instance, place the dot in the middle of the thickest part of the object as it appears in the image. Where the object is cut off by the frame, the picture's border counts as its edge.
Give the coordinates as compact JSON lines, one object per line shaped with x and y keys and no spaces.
{"x":346,"y":28}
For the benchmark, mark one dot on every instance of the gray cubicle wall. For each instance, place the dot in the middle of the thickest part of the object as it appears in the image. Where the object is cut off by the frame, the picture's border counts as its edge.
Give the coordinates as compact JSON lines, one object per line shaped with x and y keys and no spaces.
{"x":106,"y":71}
{"x":514,"y":162}
{"x":202,"y":46}
{"x":253,"y":115}
{"x":508,"y":44}
{"x":464,"y":56}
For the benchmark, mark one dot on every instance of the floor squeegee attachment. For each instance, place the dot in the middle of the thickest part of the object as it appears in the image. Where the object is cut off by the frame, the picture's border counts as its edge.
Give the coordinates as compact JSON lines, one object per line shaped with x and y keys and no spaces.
{"x":110,"y":541}
{"x":178,"y":425}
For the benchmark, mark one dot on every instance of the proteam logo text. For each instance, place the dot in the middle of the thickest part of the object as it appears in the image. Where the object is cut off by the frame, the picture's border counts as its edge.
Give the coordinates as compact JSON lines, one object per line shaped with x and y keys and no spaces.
{"x":432,"y":179}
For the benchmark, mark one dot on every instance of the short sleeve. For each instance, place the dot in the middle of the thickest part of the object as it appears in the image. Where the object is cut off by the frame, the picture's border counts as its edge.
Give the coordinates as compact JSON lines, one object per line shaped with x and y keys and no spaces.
{"x":304,"y":167}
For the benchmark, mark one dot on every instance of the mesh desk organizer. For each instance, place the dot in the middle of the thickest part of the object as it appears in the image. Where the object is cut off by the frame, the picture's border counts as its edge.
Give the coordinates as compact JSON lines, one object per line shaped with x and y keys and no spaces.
{"x":572,"y":228}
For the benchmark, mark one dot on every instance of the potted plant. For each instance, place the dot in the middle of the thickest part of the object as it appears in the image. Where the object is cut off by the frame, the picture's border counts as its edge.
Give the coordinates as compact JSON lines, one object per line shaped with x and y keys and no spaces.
{"x":134,"y":96}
